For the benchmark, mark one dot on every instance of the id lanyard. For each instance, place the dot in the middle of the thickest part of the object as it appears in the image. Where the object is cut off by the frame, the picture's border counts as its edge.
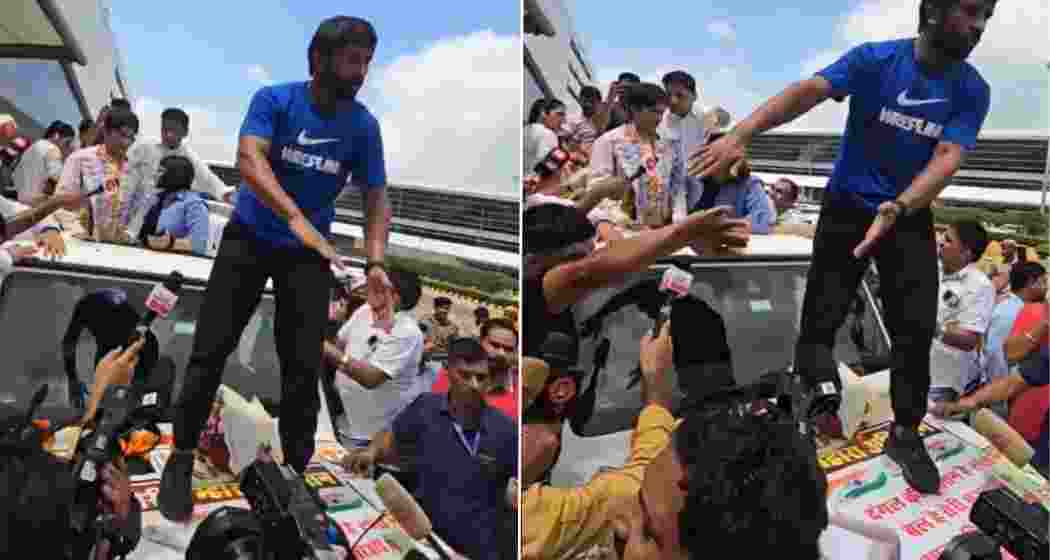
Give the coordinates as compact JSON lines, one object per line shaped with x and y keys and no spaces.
{"x":472,"y":448}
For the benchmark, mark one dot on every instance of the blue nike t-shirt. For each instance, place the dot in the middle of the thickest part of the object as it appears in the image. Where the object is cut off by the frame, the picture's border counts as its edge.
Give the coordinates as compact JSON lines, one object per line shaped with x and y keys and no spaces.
{"x":313,"y":158}
{"x":897,"y":116}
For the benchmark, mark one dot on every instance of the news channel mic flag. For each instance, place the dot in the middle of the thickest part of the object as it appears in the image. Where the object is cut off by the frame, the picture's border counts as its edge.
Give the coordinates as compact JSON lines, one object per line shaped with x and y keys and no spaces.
{"x":299,"y":144}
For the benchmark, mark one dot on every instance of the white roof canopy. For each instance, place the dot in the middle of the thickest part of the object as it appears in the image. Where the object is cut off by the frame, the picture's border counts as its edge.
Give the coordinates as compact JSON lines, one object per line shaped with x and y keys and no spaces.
{"x":36,"y":29}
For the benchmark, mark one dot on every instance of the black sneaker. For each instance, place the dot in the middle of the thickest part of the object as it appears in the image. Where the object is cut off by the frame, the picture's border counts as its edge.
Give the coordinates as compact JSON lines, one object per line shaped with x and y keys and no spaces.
{"x":906,"y":448}
{"x":176,"y":487}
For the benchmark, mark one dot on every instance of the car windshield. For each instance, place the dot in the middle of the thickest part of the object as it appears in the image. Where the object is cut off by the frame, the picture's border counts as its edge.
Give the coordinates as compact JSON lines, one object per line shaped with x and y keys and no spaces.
{"x":761,"y":305}
{"x":36,"y":306}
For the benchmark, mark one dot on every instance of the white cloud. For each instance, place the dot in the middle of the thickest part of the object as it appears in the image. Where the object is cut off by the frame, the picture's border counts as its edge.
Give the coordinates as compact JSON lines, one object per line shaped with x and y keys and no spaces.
{"x":213,"y":133}
{"x":450,"y":114}
{"x":1011,"y":57}
{"x":722,"y":29}
{"x":260,"y":74}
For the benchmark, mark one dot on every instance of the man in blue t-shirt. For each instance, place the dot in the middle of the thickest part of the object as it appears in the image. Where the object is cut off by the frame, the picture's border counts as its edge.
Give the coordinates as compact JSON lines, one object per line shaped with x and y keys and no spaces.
{"x":300,"y":144}
{"x":916,"y":106}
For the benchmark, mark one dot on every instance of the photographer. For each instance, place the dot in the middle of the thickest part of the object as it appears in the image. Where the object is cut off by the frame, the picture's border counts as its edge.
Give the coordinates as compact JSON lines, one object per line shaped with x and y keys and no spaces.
{"x":37,"y":490}
{"x":562,"y":522}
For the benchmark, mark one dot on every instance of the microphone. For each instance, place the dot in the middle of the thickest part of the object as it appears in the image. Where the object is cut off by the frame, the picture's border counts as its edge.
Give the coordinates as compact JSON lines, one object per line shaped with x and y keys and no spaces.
{"x":400,"y":504}
{"x":675,"y":283}
{"x":160,"y":302}
{"x":1003,"y":437}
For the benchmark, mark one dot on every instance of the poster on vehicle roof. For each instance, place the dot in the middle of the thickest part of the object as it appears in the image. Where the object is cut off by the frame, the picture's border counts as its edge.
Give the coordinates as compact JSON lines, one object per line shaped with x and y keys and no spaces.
{"x":866,"y":485}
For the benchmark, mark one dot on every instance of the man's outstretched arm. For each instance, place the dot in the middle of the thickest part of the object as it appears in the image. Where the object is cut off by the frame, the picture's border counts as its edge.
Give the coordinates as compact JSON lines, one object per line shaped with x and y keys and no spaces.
{"x":568,"y":283}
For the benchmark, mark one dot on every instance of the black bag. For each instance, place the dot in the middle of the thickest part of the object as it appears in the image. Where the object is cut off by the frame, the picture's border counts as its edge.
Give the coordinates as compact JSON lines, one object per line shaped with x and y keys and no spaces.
{"x":610,"y":325}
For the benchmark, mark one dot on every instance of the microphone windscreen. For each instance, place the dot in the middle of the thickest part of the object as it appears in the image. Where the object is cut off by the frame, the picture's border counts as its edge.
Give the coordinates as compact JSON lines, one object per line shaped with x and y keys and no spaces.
{"x":1003,"y":437}
{"x":400,"y":504}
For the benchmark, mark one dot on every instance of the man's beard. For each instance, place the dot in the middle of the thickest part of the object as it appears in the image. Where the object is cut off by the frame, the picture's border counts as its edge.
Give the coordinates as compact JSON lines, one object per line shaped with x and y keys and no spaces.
{"x":954,"y":46}
{"x":343,"y":90}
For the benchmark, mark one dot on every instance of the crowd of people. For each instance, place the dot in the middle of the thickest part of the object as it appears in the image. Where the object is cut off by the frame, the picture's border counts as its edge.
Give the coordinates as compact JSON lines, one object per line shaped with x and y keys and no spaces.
{"x":152,"y":194}
{"x":431,"y":401}
{"x":638,"y":176}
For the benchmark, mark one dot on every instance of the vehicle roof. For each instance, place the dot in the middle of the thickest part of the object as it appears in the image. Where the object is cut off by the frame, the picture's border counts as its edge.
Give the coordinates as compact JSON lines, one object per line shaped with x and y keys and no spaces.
{"x":90,"y":257}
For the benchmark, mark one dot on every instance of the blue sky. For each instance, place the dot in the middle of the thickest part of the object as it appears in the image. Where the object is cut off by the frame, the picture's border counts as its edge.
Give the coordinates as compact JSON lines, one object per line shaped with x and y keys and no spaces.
{"x":743,"y":51}
{"x":212,"y":56}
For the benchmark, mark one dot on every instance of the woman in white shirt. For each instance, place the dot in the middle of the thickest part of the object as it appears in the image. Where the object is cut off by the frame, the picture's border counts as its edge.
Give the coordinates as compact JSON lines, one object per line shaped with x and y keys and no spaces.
{"x":541,"y":131}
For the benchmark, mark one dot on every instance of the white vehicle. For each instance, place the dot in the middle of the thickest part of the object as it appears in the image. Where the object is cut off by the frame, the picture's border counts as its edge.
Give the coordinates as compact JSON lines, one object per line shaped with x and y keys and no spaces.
{"x":759,"y":297}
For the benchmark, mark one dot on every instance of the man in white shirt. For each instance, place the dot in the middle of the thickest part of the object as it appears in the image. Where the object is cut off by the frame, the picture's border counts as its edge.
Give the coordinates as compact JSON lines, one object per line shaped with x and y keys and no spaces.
{"x":40,"y":167}
{"x":144,"y":166}
{"x":964,"y":310}
{"x":679,"y":121}
{"x":378,"y":364}
{"x":681,"y":126}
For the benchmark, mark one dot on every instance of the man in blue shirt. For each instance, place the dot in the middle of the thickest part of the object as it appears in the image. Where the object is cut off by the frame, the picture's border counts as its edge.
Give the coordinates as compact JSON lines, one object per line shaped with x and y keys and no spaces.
{"x":916,"y":107}
{"x":464,"y":453}
{"x":300,"y":144}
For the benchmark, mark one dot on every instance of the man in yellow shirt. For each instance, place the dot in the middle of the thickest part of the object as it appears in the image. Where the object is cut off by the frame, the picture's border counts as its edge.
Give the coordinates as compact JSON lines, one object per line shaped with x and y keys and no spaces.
{"x":563,"y":522}
{"x":738,"y":482}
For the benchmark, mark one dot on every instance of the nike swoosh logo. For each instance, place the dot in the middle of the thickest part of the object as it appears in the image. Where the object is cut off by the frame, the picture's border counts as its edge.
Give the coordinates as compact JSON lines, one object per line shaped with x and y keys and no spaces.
{"x":904,"y":101}
{"x":304,"y":141}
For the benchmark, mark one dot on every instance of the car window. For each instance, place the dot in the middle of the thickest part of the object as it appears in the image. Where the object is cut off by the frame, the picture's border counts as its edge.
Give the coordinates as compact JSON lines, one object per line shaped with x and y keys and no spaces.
{"x":37,"y":305}
{"x":761,"y":305}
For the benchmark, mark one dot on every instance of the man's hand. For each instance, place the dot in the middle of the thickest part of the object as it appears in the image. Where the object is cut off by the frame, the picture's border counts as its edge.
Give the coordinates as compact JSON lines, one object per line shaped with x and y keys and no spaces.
{"x":20,"y":252}
{"x":71,"y":200}
{"x":715,"y":228}
{"x":360,"y":462}
{"x":115,"y":369}
{"x":887,"y":216}
{"x":946,"y":409}
{"x":311,"y":238}
{"x":160,"y":242}
{"x":116,"y":492}
{"x":379,"y":297}
{"x":656,"y":357}
{"x":53,"y":244}
{"x":714,"y":159}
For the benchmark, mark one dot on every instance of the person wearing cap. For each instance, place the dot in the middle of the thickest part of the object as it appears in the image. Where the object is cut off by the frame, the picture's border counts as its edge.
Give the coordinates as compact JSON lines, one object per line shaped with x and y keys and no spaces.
{"x":548,"y":404}
{"x":464,"y":452}
{"x":439,"y":328}
{"x":563,"y":522}
{"x":301,"y":144}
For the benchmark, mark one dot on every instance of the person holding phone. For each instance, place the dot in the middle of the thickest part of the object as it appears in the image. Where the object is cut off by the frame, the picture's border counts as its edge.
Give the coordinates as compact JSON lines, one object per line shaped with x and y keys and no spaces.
{"x":301,"y":143}
{"x":618,"y":113}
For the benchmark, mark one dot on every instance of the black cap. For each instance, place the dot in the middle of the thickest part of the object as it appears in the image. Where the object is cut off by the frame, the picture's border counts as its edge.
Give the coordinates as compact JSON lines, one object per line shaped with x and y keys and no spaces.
{"x":553,"y":226}
{"x":560,"y":351}
{"x":467,"y":349}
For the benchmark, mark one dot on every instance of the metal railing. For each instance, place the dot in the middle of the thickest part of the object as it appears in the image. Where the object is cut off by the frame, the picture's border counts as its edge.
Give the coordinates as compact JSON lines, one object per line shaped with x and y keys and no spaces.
{"x":483,"y":220}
